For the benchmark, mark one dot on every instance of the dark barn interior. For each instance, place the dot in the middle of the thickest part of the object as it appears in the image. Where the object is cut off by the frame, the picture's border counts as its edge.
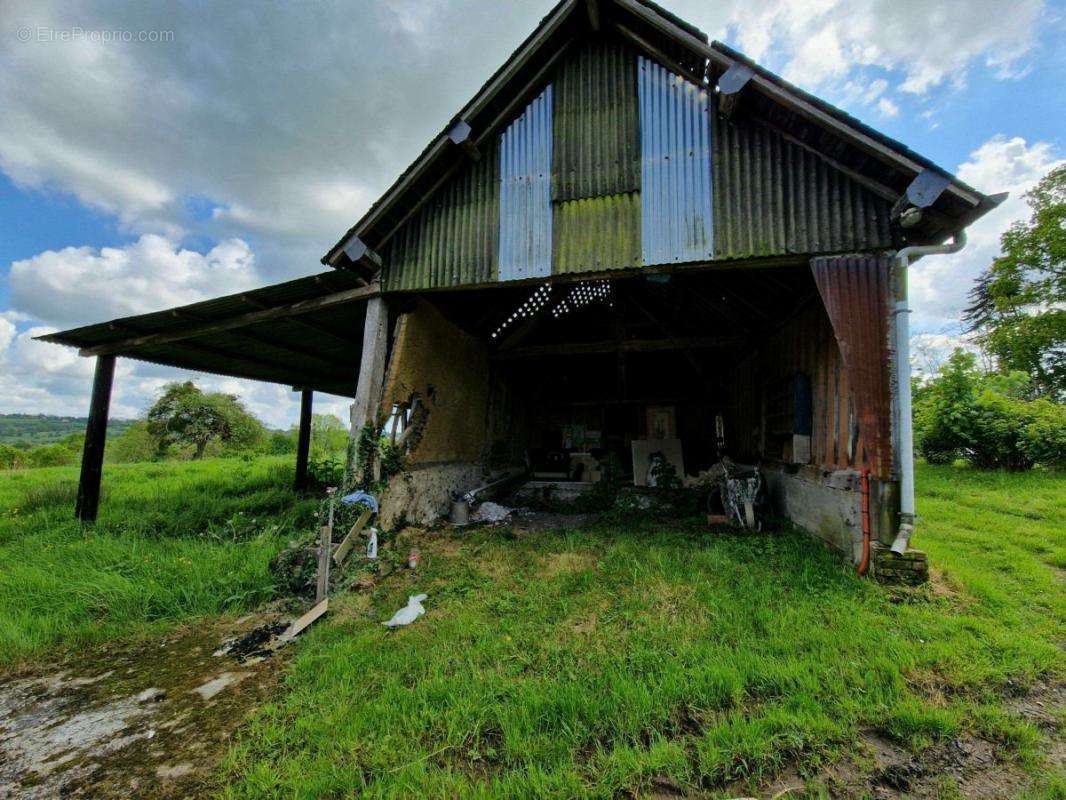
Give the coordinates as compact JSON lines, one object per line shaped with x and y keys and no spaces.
{"x":588,"y":367}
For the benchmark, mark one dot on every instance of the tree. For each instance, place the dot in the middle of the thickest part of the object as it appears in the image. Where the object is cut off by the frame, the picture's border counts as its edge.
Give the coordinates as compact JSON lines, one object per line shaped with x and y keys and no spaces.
{"x":329,"y":435}
{"x":966,"y":413}
{"x":1018,"y":306}
{"x":185,"y":416}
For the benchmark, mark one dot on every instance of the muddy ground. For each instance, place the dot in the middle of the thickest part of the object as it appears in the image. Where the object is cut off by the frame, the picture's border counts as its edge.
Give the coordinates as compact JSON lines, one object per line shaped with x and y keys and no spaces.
{"x":151,"y":719}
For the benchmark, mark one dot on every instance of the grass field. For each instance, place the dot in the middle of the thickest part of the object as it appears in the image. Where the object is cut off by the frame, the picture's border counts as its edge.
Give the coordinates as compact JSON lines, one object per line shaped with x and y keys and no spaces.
{"x":599,"y":663}
{"x":174,"y":540}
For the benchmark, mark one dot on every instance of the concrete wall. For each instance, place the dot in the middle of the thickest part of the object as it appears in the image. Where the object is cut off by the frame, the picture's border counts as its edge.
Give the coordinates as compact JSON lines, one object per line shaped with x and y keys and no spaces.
{"x":422,"y":494}
{"x":828,"y":504}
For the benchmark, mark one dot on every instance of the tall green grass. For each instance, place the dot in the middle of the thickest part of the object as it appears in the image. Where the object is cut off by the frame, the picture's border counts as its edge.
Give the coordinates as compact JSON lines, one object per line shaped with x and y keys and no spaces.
{"x":173,"y":541}
{"x":588,"y":664}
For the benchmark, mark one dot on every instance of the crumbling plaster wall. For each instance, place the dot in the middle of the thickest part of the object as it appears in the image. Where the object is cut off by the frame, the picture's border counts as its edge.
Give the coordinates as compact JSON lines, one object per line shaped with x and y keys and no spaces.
{"x":448,"y":370}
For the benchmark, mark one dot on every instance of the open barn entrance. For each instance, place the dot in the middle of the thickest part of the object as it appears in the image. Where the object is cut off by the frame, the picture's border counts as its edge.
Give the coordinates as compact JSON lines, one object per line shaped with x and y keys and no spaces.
{"x":569,"y":380}
{"x":622,"y":371}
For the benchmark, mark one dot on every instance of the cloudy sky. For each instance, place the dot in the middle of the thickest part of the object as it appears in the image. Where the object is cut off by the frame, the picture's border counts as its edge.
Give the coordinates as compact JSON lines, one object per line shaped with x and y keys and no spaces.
{"x":233,"y":145}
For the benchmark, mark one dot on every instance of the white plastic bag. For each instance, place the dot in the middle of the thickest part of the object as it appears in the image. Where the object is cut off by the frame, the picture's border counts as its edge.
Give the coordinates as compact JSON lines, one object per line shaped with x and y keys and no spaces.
{"x":409,"y":613}
{"x":372,"y":544}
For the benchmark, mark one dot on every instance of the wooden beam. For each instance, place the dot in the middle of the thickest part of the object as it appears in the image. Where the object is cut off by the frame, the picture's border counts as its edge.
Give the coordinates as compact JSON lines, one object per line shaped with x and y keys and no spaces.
{"x":305,"y":323}
{"x":656,"y":54}
{"x":624,"y":346}
{"x":731,"y":86}
{"x":92,"y":459}
{"x":788,"y":98}
{"x":303,"y":440}
{"x":367,"y":405}
{"x":593,"y":12}
{"x":239,"y":321}
{"x":293,"y":349}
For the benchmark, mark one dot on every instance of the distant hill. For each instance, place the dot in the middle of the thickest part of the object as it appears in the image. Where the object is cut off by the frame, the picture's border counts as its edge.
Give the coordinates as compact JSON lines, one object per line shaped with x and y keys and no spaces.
{"x":31,"y":430}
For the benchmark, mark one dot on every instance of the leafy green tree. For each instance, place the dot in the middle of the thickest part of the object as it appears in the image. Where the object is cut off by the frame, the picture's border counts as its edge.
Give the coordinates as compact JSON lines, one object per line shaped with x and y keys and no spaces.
{"x":133,"y":444}
{"x":329,"y":435}
{"x":11,"y":457}
{"x":184,"y":416}
{"x":1018,"y":305}
{"x":964,"y":413}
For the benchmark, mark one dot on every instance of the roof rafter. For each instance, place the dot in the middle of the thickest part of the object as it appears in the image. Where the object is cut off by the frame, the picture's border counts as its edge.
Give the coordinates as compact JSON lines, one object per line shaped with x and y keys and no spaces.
{"x":238,"y":321}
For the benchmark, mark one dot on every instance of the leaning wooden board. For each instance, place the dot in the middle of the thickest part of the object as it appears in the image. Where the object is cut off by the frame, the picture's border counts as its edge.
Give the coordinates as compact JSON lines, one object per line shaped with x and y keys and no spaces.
{"x":345,"y":546}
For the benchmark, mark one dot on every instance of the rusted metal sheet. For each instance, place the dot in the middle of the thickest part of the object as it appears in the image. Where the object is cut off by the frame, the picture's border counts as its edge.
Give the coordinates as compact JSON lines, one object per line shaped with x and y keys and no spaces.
{"x":453,"y":240}
{"x":774,"y":197}
{"x":855,"y":291}
{"x":597,"y":233}
{"x":596,"y":144}
{"x":676,"y":214}
{"x":525,"y":193}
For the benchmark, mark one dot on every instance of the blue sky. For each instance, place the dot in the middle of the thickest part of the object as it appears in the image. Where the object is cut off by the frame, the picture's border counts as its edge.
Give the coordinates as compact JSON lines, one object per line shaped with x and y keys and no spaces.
{"x":139,"y":175}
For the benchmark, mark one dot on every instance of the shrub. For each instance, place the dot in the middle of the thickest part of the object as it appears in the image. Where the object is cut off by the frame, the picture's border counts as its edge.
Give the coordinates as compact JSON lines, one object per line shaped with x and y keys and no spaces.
{"x":985,"y":419}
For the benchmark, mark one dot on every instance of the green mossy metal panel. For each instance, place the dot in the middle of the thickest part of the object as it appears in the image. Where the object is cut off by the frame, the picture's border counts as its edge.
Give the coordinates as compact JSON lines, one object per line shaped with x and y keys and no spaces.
{"x":775,"y":197}
{"x":597,"y":233}
{"x":596,"y":129}
{"x":453,"y":239}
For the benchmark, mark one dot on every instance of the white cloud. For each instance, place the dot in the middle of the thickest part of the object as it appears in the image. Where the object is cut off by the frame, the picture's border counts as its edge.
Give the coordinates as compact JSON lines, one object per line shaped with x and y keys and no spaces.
{"x":285,"y":137}
{"x":925,"y":43}
{"x":887,"y":107}
{"x":78,"y":285}
{"x":939,"y":284}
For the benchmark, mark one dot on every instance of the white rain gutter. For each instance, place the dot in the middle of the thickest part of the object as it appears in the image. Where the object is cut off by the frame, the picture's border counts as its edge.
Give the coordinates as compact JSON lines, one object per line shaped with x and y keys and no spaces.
{"x":905,"y":422}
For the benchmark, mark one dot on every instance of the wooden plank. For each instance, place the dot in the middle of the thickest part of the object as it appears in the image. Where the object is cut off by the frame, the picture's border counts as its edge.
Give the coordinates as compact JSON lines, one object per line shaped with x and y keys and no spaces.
{"x":349,"y":541}
{"x":325,"y":544}
{"x":238,"y":321}
{"x":303,"y":622}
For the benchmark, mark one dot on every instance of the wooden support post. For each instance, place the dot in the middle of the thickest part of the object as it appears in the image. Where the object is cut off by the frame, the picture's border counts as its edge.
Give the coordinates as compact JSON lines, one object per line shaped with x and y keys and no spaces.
{"x":366,"y":408}
{"x":303,"y":442}
{"x":92,"y":459}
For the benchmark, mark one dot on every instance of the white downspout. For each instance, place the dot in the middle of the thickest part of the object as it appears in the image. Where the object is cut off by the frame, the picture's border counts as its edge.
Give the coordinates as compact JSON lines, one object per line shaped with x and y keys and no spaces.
{"x":903,"y":259}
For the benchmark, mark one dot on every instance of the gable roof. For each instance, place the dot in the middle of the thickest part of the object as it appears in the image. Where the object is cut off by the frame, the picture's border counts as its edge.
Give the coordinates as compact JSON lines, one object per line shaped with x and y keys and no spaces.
{"x":879,"y":162}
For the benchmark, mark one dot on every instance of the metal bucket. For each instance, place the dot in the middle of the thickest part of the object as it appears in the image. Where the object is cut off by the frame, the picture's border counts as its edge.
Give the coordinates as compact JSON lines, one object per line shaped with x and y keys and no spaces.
{"x":460,"y":512}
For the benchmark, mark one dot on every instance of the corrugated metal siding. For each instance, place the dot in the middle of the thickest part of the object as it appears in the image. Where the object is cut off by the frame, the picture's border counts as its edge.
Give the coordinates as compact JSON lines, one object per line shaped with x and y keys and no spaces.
{"x":805,"y":345}
{"x":596,"y":124}
{"x":598,"y":233}
{"x":773,"y":197}
{"x":453,"y":240}
{"x":525,"y":193}
{"x":676,"y":215}
{"x":855,"y":292}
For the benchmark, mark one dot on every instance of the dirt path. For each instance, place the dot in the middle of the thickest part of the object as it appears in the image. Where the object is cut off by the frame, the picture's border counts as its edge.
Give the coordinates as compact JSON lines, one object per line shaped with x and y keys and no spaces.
{"x":146,"y":720}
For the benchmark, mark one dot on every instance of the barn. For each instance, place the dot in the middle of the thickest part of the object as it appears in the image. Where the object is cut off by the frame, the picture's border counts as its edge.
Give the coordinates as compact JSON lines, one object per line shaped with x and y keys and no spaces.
{"x":631,"y":244}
